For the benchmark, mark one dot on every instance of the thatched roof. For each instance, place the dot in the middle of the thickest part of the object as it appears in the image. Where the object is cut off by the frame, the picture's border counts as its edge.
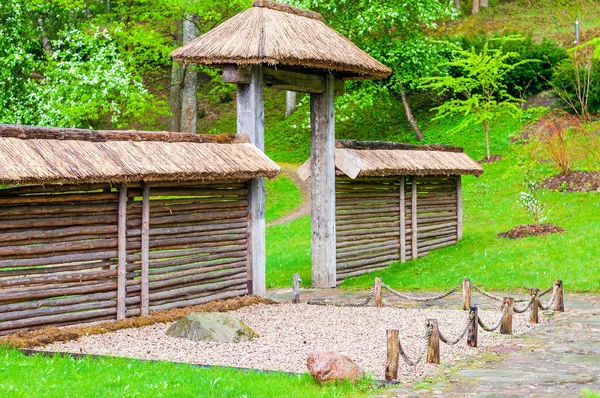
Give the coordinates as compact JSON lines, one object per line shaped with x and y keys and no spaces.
{"x":278,"y":35}
{"x":43,"y":155}
{"x":361,"y":159}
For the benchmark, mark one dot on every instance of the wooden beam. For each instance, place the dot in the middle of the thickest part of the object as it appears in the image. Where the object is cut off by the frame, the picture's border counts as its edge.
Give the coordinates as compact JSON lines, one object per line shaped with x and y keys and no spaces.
{"x":459,"y":208}
{"x":433,"y":348}
{"x":282,"y":79}
{"x":250,"y":120}
{"x":145,"y":293}
{"x":348,"y":163}
{"x":473,"y":326}
{"x":393,"y":354}
{"x":322,"y":111}
{"x":304,"y":170}
{"x":122,"y":253}
{"x":413,"y":225}
{"x":402,"y":219}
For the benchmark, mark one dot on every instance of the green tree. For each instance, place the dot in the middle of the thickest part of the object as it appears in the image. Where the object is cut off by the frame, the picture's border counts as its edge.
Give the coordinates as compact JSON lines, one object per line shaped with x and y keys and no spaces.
{"x":477,"y":92}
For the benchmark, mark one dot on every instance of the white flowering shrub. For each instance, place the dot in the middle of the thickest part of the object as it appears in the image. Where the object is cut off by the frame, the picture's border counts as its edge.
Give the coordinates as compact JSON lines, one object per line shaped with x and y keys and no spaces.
{"x":530,"y":201}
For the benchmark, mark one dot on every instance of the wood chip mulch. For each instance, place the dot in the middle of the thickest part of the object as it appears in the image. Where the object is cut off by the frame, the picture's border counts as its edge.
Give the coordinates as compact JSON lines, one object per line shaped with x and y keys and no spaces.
{"x":525,"y":230}
{"x":492,"y":159}
{"x":574,"y":181}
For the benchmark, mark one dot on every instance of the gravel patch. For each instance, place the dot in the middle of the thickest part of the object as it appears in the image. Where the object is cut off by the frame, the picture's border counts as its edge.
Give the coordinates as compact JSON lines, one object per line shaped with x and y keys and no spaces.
{"x":288,"y":333}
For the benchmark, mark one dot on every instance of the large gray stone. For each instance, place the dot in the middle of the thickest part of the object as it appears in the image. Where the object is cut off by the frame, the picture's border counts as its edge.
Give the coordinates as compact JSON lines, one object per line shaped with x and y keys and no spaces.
{"x":211,"y":326}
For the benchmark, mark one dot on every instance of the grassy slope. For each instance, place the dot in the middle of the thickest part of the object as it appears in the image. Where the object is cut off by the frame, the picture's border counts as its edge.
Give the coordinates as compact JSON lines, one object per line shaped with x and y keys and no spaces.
{"x":58,"y":376}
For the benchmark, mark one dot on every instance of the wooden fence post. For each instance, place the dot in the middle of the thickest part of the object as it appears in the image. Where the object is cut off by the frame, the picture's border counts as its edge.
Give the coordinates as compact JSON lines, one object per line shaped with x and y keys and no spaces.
{"x":466,"y":289}
{"x":145,"y":293}
{"x":377,"y":292}
{"x":402,"y":219}
{"x":433,"y":349}
{"x":122,"y":253}
{"x":506,"y":326}
{"x":296,"y":289}
{"x":459,"y":210}
{"x":473,"y":327}
{"x":393,"y":354}
{"x":559,"y":304}
{"x":534,"y":314}
{"x":413,"y":222}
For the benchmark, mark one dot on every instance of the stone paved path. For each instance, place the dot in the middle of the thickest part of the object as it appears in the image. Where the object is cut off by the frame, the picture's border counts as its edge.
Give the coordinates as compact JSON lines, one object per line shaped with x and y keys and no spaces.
{"x":557,"y":359}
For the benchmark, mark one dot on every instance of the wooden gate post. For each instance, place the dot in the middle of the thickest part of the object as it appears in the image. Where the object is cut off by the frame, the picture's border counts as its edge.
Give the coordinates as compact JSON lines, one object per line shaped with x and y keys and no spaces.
{"x":393,"y":354}
{"x":250,"y":120}
{"x":402,"y":219}
{"x":559,"y":304}
{"x":473,"y":327}
{"x":459,"y":209}
{"x":377,"y":292}
{"x":145,"y":292}
{"x":466,"y":290}
{"x":433,"y":349}
{"x":122,"y":253}
{"x":413,"y":221}
{"x":534,"y":313}
{"x":506,"y":326}
{"x":322,"y":189}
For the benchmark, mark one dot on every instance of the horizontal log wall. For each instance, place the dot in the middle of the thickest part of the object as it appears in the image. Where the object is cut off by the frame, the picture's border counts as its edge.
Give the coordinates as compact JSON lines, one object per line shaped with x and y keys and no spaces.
{"x":369,"y":219}
{"x":59,"y":250}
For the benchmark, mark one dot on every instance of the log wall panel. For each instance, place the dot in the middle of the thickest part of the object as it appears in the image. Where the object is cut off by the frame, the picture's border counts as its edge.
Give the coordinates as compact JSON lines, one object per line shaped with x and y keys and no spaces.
{"x":368,"y":220}
{"x":58,"y":250}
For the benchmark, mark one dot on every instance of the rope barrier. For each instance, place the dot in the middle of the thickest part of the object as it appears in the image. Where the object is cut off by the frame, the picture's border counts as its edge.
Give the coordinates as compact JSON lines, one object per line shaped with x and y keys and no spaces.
{"x":420,"y":299}
{"x":362,"y":303}
{"x":461,"y":335}
{"x":496,"y":325}
{"x":421,"y":354}
{"x":520,"y":310}
{"x":550,"y":302}
{"x":494,"y":297}
{"x":544,"y":292}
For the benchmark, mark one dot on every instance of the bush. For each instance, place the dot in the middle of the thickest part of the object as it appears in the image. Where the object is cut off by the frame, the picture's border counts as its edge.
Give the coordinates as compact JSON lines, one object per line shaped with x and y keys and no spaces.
{"x":527,"y":78}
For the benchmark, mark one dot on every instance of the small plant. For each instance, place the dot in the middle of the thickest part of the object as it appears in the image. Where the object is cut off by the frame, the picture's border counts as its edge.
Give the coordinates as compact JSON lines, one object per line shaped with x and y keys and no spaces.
{"x":530,"y":200}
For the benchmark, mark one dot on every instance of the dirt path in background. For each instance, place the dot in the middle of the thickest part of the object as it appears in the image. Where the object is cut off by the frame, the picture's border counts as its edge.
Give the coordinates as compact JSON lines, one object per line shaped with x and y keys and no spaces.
{"x":304,"y":208}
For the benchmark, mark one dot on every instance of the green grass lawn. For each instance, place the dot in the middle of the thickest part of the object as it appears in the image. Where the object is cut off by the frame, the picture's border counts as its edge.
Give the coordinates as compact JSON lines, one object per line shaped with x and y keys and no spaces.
{"x":282,"y":197}
{"x":59,"y":376}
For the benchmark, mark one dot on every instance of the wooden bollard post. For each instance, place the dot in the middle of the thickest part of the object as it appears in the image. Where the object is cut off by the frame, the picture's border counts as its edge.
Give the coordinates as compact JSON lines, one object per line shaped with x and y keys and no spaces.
{"x":466,"y":289}
{"x":473,"y":327}
{"x":433,"y":349}
{"x":506,"y":326}
{"x":393,"y":354}
{"x":534,"y":313}
{"x":559,"y":303}
{"x":296,"y":289}
{"x":377,"y":292}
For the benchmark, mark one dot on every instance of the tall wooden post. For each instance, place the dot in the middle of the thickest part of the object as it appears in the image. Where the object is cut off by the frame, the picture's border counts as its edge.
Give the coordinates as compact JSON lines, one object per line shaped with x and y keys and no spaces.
{"x":393,"y":354}
{"x":466,"y":289}
{"x":475,"y":9}
{"x":296,"y":289}
{"x":534,"y":313}
{"x":433,"y":349}
{"x":250,"y":120}
{"x":473,"y":327}
{"x":145,"y":293}
{"x":402,"y":219}
{"x":559,"y":303}
{"x":322,"y":146}
{"x":413,"y":224}
{"x":122,"y":253}
{"x":459,"y":208}
{"x":506,"y":326}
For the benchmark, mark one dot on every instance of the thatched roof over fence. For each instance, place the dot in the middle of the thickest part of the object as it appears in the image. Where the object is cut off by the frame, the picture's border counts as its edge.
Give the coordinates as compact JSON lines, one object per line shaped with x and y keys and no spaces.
{"x":43,"y":155}
{"x":275,"y":34}
{"x":361,"y":159}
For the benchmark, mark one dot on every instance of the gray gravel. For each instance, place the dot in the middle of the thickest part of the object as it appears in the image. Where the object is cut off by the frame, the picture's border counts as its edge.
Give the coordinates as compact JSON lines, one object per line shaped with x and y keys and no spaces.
{"x":289,"y":332}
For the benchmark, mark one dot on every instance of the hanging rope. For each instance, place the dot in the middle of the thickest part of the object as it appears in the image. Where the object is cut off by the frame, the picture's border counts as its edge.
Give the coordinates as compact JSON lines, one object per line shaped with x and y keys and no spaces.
{"x":461,"y":335}
{"x":423,"y":351}
{"x":496,"y":325}
{"x":520,"y":310}
{"x":361,"y":303}
{"x":420,"y":299}
{"x":494,"y":297}
{"x":551,"y":301}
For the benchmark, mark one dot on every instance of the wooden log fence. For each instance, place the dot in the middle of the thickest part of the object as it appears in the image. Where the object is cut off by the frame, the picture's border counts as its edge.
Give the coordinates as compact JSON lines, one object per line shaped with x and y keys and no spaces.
{"x":83,"y":253}
{"x":378,"y":222}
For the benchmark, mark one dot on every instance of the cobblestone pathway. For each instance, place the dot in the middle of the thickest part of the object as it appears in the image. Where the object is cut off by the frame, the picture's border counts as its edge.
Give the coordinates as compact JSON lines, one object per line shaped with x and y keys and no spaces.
{"x":558,"y":359}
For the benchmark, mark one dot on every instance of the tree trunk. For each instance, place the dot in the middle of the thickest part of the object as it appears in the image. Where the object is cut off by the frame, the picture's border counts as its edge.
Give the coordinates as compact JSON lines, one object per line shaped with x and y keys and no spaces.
{"x":44,"y":37}
{"x":175,"y":97}
{"x":188,"y":94}
{"x":410,"y":117}
{"x":475,"y":9}
{"x":457,"y":4}
{"x":290,"y":103}
{"x":486,"y":127}
{"x":483,"y":3}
